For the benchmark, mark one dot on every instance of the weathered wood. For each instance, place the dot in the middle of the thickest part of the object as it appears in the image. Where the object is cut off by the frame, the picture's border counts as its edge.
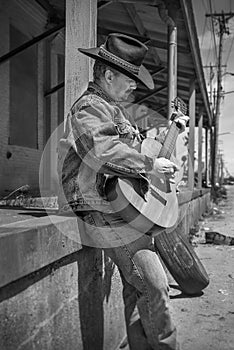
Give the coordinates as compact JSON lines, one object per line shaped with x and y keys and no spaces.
{"x":81,"y":18}
{"x":200,"y":165}
{"x":192,"y":106}
{"x":206,"y":156}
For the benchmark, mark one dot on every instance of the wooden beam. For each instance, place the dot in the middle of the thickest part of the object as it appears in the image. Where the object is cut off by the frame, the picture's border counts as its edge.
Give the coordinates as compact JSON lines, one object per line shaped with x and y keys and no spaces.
{"x":200,"y":129}
{"x":159,"y":71}
{"x":131,"y":10}
{"x":144,"y":2}
{"x":81,"y":23}
{"x":31,"y":42}
{"x":102,"y":4}
{"x":153,"y":93}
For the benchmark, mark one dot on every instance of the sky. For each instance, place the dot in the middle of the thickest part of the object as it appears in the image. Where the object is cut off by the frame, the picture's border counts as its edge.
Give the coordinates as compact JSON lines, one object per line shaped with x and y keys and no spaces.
{"x":208,"y":52}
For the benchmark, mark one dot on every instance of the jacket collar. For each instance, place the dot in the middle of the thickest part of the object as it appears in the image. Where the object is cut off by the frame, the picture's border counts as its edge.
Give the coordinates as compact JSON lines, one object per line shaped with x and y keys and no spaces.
{"x":94,"y":88}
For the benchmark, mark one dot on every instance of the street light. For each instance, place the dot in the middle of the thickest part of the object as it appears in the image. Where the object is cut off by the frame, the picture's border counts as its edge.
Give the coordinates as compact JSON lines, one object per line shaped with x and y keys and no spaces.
{"x":228,"y":92}
{"x":225,"y":133}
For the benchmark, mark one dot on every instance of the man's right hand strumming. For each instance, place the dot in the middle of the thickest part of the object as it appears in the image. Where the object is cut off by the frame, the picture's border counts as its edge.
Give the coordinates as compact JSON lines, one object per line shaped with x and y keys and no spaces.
{"x":164,"y":166}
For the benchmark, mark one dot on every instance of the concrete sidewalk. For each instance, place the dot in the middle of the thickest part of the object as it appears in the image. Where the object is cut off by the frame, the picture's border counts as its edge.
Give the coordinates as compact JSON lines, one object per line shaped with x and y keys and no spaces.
{"x":206,"y":322}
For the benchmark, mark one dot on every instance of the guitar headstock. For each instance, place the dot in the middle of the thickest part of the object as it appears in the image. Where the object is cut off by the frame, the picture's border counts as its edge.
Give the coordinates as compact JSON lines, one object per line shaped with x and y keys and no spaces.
{"x":179,"y":105}
{"x":180,"y":110}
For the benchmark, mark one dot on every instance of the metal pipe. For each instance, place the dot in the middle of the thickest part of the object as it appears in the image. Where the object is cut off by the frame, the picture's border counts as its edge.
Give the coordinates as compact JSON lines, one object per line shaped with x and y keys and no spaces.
{"x":172,"y":68}
{"x":172,"y":55}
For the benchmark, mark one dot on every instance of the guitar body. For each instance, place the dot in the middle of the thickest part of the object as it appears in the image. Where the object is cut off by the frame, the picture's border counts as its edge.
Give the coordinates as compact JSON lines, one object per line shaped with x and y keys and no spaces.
{"x":159,"y":206}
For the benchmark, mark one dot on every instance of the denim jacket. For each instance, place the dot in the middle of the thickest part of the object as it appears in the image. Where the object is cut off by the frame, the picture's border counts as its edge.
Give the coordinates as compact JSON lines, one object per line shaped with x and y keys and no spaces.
{"x":99,"y":141}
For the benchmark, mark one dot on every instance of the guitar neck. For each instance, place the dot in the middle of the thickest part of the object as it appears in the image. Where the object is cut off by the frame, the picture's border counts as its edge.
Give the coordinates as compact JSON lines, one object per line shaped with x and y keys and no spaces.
{"x":170,"y":141}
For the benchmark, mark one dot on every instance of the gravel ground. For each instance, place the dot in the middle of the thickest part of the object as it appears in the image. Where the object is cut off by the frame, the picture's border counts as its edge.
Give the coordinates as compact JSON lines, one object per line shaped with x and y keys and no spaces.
{"x":207,"y":322}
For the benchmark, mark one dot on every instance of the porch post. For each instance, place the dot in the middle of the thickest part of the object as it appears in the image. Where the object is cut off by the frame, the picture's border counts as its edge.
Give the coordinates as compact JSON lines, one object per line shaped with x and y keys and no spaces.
{"x":200,"y":164}
{"x":192,"y":101}
{"x":81,"y":28}
{"x":206,"y":158}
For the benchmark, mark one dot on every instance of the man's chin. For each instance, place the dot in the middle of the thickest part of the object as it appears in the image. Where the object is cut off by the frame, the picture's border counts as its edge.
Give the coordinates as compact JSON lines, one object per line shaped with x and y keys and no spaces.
{"x":128,"y":97}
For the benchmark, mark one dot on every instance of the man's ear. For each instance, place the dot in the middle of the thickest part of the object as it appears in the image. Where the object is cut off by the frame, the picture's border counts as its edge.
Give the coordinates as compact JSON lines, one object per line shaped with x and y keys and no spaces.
{"x":109,"y":75}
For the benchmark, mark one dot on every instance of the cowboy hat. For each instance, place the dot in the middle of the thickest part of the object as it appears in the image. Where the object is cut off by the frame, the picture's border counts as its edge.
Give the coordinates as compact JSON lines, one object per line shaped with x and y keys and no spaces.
{"x":125,"y":54}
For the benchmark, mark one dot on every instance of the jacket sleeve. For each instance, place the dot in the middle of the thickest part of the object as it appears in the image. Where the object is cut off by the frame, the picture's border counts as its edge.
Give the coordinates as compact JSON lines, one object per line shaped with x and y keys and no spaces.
{"x":94,"y":136}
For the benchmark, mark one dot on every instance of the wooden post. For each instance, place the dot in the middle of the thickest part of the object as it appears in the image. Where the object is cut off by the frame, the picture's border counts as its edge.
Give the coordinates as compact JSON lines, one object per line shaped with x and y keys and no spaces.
{"x":192,"y":101}
{"x":207,"y":158}
{"x":200,"y":165}
{"x":81,"y":28}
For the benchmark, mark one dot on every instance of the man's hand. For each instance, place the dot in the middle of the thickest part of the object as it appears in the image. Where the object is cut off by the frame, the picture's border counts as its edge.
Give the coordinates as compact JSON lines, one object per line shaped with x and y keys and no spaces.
{"x":182,"y":120}
{"x":164,"y":166}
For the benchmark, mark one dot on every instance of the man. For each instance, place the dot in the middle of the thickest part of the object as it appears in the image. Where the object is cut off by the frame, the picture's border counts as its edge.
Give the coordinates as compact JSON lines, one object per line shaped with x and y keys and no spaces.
{"x":97,"y":144}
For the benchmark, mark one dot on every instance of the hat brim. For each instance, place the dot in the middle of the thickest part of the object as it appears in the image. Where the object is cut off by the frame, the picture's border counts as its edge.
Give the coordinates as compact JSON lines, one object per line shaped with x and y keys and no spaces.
{"x":143,"y":75}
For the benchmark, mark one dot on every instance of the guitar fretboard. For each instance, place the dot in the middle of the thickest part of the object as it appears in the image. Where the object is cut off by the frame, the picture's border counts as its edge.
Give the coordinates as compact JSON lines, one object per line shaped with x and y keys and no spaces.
{"x":170,"y":141}
{"x":173,"y":132}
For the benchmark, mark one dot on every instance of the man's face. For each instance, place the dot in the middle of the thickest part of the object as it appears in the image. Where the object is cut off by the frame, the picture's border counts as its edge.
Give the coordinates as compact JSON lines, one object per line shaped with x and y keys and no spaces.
{"x":122,"y":86}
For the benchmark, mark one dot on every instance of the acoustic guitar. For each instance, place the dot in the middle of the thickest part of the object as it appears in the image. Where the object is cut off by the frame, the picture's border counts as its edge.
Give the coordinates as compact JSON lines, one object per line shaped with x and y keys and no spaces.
{"x":158,"y":205}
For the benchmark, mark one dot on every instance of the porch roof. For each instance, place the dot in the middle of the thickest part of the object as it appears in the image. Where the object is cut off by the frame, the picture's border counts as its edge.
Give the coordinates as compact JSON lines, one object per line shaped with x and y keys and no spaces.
{"x":147,"y":21}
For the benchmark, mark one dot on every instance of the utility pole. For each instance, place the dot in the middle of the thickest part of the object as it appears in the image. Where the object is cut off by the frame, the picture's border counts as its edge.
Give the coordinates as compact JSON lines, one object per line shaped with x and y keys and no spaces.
{"x":222,"y":19}
{"x":212,"y":67}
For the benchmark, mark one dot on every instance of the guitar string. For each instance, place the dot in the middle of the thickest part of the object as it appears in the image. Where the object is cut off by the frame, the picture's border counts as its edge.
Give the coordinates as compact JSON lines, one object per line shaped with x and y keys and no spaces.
{"x":170,"y":141}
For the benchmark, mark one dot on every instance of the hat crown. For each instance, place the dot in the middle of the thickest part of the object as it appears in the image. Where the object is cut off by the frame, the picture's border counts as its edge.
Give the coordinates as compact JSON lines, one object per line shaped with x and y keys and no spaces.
{"x":126,"y":48}
{"x":125,"y":54}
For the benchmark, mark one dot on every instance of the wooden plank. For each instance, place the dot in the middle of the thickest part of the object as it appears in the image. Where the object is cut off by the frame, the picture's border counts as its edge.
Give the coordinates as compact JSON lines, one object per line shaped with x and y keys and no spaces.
{"x":81,"y":19}
{"x":192,"y":104}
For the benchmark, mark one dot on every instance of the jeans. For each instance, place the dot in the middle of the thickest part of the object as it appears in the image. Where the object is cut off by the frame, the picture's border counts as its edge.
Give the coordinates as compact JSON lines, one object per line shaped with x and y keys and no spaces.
{"x":145,"y":286}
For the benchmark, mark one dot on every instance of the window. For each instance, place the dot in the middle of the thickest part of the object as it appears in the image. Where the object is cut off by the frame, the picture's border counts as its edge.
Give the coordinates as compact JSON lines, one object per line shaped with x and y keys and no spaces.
{"x":23,"y":93}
